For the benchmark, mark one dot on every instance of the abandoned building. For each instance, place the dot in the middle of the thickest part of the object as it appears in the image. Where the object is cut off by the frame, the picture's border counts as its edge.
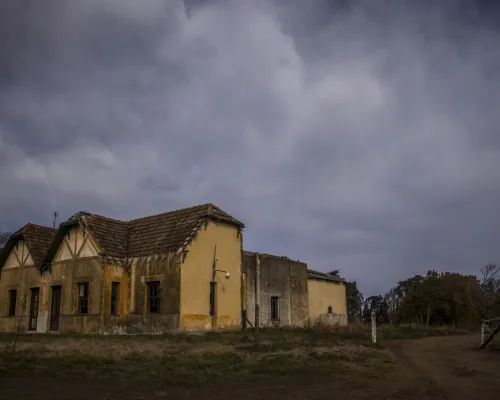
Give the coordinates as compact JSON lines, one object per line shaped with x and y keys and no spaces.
{"x":290,"y":294}
{"x":178,"y":270}
{"x":327,"y":299}
{"x":280,"y":284}
{"x":181,"y":270}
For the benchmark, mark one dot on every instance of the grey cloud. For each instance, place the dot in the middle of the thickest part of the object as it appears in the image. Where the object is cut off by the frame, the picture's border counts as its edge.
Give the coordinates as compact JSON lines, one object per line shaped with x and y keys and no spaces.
{"x":160,"y":182}
{"x":353,"y":135}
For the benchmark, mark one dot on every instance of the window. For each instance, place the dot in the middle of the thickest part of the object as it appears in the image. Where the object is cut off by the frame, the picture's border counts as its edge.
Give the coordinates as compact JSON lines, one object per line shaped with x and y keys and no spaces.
{"x":115,"y":289}
{"x":153,"y":297}
{"x":35,"y":299}
{"x":12,"y":303}
{"x":330,"y":309}
{"x":83,"y":298}
{"x":213,"y":287}
{"x":275,"y":308}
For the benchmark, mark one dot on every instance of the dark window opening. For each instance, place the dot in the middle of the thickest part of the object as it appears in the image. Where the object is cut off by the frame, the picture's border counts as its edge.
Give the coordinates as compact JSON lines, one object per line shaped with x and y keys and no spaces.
{"x":115,"y":289}
{"x":153,"y":297}
{"x":275,"y":308}
{"x":330,"y":309}
{"x":83,"y":298}
{"x":12,"y":302}
{"x":213,"y":286}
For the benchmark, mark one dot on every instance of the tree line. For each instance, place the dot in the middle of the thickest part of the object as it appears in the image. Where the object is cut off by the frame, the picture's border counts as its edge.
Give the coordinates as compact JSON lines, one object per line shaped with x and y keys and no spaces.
{"x":446,"y":298}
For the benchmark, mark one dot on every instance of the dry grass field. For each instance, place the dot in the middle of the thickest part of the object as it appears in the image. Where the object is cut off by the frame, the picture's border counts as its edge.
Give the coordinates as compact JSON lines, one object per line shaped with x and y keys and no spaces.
{"x":308,"y":363}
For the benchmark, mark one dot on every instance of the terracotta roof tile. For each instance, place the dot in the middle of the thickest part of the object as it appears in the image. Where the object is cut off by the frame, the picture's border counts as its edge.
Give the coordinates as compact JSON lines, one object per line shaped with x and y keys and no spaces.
{"x":155,"y":234}
{"x":167,"y":232}
{"x":110,"y":234}
{"x":323,"y":276}
{"x":38,"y":239}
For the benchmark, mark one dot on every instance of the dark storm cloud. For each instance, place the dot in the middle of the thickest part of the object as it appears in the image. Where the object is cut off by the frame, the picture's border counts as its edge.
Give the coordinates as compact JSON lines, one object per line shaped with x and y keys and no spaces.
{"x":359,"y":136}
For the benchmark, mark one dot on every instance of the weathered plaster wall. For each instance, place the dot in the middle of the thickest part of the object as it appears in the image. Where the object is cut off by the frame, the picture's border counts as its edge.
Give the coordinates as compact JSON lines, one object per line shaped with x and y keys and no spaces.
{"x":324,"y":294}
{"x":18,"y":273}
{"x":135,"y":317}
{"x":19,"y":256}
{"x":299,"y":298}
{"x":20,"y":279}
{"x":223,"y":242}
{"x":76,"y":244}
{"x":281,"y":277}
{"x":68,"y":274}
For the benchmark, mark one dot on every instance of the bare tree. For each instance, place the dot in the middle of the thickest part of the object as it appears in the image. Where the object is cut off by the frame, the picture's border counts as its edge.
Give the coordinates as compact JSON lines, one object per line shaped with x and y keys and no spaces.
{"x":484,"y":296}
{"x":4,"y":236}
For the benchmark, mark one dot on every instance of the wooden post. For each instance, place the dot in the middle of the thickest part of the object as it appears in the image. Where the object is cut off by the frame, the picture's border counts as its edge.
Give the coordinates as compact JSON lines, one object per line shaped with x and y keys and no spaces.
{"x":483,"y":332}
{"x":257,"y":298}
{"x":490,"y":338}
{"x":374,"y":327}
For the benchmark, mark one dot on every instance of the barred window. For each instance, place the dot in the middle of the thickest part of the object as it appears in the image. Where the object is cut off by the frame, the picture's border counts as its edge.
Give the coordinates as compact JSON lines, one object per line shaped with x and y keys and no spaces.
{"x":153,"y":303}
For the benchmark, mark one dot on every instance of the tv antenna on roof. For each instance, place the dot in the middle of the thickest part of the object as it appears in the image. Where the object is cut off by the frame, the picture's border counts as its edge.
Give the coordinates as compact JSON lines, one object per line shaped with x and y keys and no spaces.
{"x":54,"y":220}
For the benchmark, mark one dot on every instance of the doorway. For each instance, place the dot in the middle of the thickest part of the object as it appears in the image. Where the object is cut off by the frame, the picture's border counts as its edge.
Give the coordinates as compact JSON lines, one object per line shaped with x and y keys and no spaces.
{"x":35,"y":298}
{"x":55,"y":308}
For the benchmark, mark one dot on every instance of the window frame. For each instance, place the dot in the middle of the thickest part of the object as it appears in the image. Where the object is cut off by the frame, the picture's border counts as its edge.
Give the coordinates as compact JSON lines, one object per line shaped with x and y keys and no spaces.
{"x":82,"y":302}
{"x":12,"y":305}
{"x":275,"y":308}
{"x":150,"y":286}
{"x":330,"y":310}
{"x":114,"y":300}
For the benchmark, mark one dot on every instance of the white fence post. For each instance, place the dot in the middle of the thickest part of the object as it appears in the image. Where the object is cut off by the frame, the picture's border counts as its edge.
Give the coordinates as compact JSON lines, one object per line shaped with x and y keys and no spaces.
{"x":374,"y":327}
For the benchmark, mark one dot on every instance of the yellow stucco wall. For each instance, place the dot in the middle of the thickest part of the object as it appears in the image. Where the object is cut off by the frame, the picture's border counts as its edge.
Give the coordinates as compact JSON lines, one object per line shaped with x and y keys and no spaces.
{"x":116,"y":273}
{"x":76,"y":262}
{"x":68,"y":274}
{"x":22,"y":280}
{"x":196,"y":275}
{"x":324,"y":294}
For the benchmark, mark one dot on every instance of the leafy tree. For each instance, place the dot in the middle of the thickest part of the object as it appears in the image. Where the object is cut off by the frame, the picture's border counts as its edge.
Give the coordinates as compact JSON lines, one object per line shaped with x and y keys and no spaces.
{"x":444,"y":298}
{"x":354,"y":297}
{"x":354,"y":300}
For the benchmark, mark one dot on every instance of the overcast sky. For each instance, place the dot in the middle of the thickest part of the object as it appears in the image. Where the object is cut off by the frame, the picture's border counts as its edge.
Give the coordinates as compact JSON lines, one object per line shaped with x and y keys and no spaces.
{"x":360,"y":136}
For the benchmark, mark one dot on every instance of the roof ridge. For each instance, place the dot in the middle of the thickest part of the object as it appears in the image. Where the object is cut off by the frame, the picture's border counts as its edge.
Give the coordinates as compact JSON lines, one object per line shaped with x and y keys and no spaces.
{"x":102,"y":216}
{"x":189,"y":208}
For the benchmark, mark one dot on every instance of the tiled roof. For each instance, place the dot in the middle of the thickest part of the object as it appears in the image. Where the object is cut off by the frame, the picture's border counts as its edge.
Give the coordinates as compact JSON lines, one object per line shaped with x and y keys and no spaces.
{"x":110,"y":234}
{"x":38,"y":238}
{"x":156,"y":234}
{"x":323,"y":276}
{"x":167,"y":232}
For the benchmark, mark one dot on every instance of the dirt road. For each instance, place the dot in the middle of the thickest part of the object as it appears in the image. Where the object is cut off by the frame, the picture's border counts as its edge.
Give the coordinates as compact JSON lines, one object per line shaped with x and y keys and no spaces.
{"x":454,"y":365}
{"x":434,"y":368}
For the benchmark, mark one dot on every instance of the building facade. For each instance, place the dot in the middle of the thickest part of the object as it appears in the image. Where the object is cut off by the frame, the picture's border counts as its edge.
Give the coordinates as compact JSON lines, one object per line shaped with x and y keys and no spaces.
{"x":183,"y":270}
{"x":175,"y":271}
{"x":280,"y":284}
{"x":327,"y":299}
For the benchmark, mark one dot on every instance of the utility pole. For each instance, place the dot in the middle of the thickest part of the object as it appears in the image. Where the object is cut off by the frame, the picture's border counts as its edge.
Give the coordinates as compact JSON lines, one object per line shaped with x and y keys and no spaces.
{"x":257,"y":298}
{"x":54,"y":220}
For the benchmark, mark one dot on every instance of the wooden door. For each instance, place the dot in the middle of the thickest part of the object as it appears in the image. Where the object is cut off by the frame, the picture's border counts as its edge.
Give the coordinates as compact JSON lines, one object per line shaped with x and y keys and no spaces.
{"x":35,"y":298}
{"x":55,"y":308}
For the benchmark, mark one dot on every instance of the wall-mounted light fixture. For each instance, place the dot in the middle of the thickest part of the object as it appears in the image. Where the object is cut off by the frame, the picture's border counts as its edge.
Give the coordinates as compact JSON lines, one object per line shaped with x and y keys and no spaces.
{"x":227,"y":275}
